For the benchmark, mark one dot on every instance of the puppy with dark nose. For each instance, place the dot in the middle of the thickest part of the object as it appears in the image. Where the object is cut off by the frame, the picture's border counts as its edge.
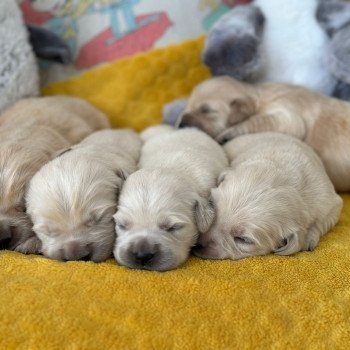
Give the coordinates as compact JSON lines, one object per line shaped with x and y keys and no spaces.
{"x":72,"y":199}
{"x":32,"y":131}
{"x":275,"y":198}
{"x":164,"y":205}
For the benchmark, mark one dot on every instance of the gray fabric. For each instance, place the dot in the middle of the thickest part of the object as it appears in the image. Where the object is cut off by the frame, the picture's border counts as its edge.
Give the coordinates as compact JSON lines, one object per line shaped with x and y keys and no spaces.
{"x":18,"y":67}
{"x":338,"y":56}
{"x":48,"y":45}
{"x":173,"y":110}
{"x":342,"y":91}
{"x":232,"y":45}
{"x":333,"y":15}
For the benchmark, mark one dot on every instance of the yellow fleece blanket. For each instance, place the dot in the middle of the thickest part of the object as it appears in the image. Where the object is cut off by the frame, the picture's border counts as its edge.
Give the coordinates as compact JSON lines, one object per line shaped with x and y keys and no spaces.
{"x":297,"y":302}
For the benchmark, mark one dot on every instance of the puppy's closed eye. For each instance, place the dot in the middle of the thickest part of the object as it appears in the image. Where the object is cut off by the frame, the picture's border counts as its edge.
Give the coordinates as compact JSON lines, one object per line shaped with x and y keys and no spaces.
{"x":238,"y":236}
{"x":122,"y":225}
{"x":92,"y":221}
{"x":95,"y":219}
{"x":171,"y":227}
{"x":242,"y":240}
{"x":47,"y":230}
{"x":205,"y":109}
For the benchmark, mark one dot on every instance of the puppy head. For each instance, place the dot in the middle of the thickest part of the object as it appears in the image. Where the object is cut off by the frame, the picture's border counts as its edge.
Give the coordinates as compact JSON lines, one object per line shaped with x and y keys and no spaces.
{"x":72,"y":211}
{"x":252,"y":222}
{"x":158,"y":220}
{"x":217,"y":104}
{"x":17,"y":167}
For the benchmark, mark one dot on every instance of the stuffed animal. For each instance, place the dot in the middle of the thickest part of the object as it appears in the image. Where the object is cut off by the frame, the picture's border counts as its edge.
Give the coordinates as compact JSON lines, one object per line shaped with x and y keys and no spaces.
{"x":18,"y":68}
{"x":334,"y":17}
{"x":19,"y":75}
{"x":300,"y":42}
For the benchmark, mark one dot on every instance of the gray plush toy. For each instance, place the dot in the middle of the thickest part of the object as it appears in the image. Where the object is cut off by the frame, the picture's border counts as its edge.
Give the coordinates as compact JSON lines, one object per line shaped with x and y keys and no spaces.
{"x":300,"y":42}
{"x":334,"y":17}
{"x":18,"y":68}
{"x":19,"y":76}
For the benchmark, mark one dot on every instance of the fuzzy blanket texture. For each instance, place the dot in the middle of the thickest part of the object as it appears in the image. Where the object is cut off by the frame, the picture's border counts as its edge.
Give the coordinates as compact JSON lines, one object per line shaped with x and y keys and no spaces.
{"x":272,"y":302}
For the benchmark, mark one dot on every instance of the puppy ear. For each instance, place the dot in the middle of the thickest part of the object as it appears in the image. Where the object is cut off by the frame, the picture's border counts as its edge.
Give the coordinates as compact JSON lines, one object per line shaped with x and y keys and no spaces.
{"x":241,"y":109}
{"x":204,"y":214}
{"x":289,"y":245}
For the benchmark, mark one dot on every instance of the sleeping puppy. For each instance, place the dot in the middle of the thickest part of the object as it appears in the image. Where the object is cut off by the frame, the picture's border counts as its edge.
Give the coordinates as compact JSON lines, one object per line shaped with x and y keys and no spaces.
{"x":31,"y":132}
{"x":72,"y":117}
{"x":163,"y":205}
{"x":226,"y":108}
{"x":72,"y":199}
{"x":275,"y":198}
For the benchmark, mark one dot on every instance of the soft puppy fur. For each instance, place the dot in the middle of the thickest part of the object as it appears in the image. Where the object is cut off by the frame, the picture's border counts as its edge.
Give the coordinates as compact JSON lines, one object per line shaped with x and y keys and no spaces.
{"x":275,"y":198}
{"x":163,"y":205}
{"x":226,"y":108}
{"x":31,"y":133}
{"x":72,"y":199}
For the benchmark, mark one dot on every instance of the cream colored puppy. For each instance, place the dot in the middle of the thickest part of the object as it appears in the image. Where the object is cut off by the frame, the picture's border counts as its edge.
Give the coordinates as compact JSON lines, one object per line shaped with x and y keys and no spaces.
{"x":72,"y":117}
{"x":226,"y":108}
{"x":72,"y":199}
{"x":275,"y":198}
{"x":163,"y":205}
{"x":31,"y":132}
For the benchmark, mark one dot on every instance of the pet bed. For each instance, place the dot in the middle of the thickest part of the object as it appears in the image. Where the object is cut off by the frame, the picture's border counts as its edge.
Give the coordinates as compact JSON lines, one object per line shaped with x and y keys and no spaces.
{"x":296,"y":302}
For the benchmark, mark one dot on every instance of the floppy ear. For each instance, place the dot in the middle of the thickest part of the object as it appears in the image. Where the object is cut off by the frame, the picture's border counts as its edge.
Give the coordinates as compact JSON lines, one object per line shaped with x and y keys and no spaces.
{"x":240,"y":109}
{"x":289,"y":245}
{"x":204,"y":214}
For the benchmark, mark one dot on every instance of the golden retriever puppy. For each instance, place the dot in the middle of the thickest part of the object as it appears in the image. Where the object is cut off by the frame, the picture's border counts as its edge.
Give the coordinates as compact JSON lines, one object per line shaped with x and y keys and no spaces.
{"x":163,"y":205}
{"x":31,"y":132}
{"x":275,"y":198}
{"x":72,"y":117}
{"x":226,"y":108}
{"x":72,"y":199}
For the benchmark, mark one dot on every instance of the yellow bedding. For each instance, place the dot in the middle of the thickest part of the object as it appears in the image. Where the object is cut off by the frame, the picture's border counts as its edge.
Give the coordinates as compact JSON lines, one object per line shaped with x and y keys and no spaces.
{"x":296,"y":302}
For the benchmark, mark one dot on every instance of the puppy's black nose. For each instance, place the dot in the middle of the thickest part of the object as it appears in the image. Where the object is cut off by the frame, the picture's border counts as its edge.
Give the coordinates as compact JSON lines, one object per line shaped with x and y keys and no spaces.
{"x":143,"y":258}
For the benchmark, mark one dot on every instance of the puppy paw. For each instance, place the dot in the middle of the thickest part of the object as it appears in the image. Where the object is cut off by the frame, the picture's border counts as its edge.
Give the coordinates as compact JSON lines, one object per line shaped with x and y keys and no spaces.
{"x":224,"y":137}
{"x":311,"y":241}
{"x":31,"y":246}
